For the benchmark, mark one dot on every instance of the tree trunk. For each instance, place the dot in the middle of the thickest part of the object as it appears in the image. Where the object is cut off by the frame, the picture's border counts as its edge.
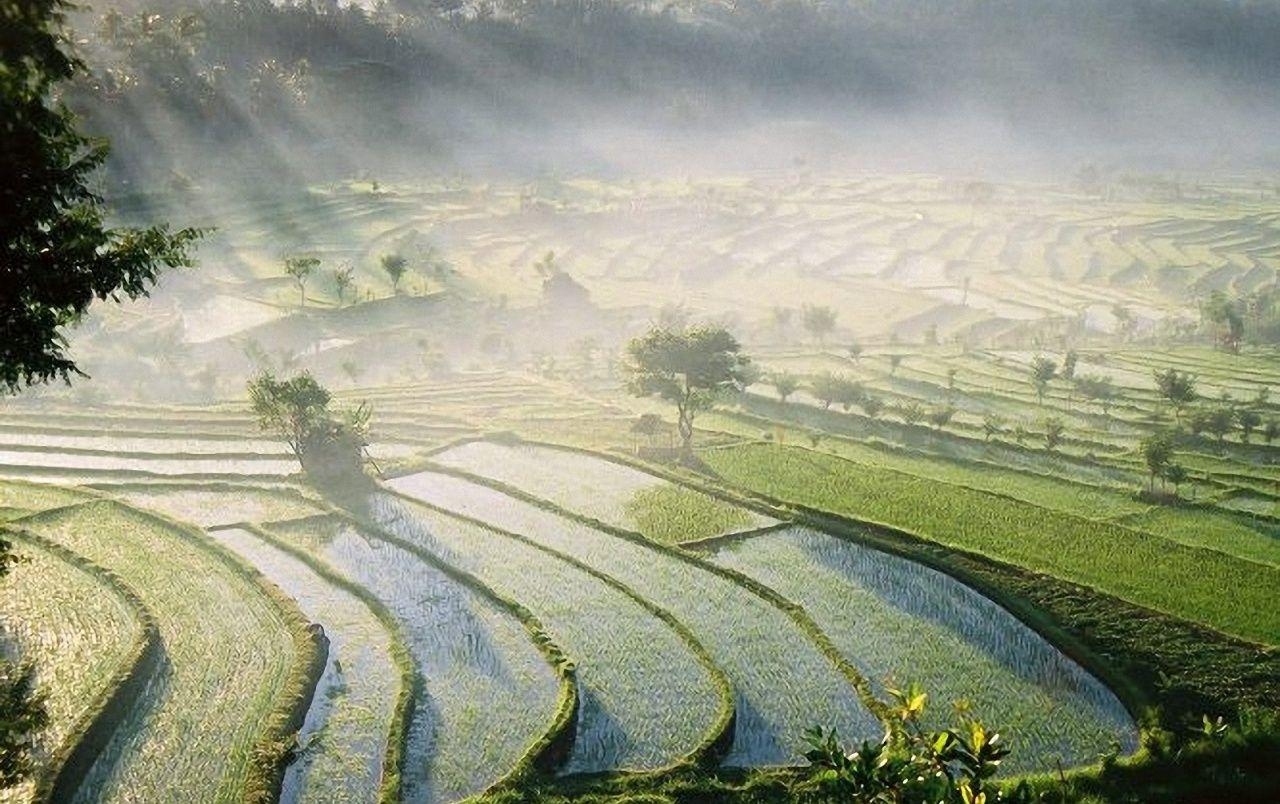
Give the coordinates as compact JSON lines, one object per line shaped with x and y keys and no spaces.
{"x":685,"y":426}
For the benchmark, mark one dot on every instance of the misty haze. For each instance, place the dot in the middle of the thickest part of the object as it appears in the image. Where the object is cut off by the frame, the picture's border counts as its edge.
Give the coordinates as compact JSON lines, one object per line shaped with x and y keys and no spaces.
{"x":612,"y":400}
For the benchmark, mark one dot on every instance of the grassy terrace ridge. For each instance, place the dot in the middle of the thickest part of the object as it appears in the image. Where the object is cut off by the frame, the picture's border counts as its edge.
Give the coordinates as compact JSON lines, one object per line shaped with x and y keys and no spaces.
{"x":260,"y":694}
{"x":746,"y":627}
{"x":1134,"y":565}
{"x":86,"y":635}
{"x":460,"y":703}
{"x":654,"y":698}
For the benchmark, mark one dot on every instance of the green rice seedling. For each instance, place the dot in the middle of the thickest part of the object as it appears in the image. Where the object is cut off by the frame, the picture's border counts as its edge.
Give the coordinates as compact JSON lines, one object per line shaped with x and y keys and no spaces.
{"x":779,"y":675}
{"x":901,"y":622}
{"x":646,"y":701}
{"x":1135,"y":565}
{"x":486,"y":692}
{"x":75,"y":626}
{"x":343,"y":742}
{"x":228,"y":655}
{"x":601,"y":489}
{"x":1249,"y":538}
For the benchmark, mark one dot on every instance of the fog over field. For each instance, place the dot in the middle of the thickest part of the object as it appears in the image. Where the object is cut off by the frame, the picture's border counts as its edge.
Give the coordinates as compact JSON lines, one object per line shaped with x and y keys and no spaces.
{"x":591,"y":400}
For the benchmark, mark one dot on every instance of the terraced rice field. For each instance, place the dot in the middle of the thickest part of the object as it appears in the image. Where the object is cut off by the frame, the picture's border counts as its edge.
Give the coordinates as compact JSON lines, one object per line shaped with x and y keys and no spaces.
{"x":646,"y":701}
{"x":78,"y":629}
{"x":1131,"y":564}
{"x":900,"y":622}
{"x":343,"y":742}
{"x":211,"y":505}
{"x":486,"y":692}
{"x":610,"y":492}
{"x":779,"y":675}
{"x":230,"y":669}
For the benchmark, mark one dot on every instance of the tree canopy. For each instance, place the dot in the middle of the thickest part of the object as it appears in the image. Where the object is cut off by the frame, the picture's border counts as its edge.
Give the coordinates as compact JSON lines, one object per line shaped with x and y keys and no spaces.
{"x":297,"y":410}
{"x":689,"y":368}
{"x":57,"y":253}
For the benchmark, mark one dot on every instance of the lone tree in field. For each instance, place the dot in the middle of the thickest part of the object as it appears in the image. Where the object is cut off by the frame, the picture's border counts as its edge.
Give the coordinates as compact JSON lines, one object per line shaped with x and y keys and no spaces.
{"x":342,"y":281}
{"x":1177,"y":387}
{"x":940,"y":417}
{"x":819,"y":320}
{"x":301,"y":269}
{"x":992,"y":425}
{"x":911,"y":413}
{"x":1096,"y":389}
{"x":1069,"y":365}
{"x":1053,"y":430}
{"x":297,"y":410}
{"x":785,"y":384}
{"x":1157,"y":452}
{"x":895,"y":360}
{"x":690,"y":368}
{"x":1043,"y":372}
{"x":1249,"y":420}
{"x":58,"y":255}
{"x":826,"y":389}
{"x":855,"y":351}
{"x":871,"y":405}
{"x":395,"y":266}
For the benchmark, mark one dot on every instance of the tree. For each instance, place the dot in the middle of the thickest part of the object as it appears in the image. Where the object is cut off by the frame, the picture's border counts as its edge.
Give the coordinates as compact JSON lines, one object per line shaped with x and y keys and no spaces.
{"x":342,"y":281}
{"x":56,"y":253}
{"x":826,"y":389}
{"x":895,"y":360}
{"x":1069,"y":365}
{"x":855,"y":351}
{"x":785,"y":384}
{"x":1248,"y":421}
{"x":395,"y":265}
{"x":1271,"y":430}
{"x":941,"y":416}
{"x":1157,"y":452}
{"x":690,"y":368}
{"x":1176,"y":474}
{"x":819,"y":320}
{"x":1097,"y":389}
{"x":352,"y":369}
{"x":1043,"y":372}
{"x":992,"y":425}
{"x":1053,"y":430}
{"x":1177,"y":387}
{"x":301,"y":268}
{"x":297,"y":410}
{"x":871,"y":405}
{"x":848,"y":393}
{"x":1220,"y":421}
{"x":911,"y":413}
{"x":1225,"y":314}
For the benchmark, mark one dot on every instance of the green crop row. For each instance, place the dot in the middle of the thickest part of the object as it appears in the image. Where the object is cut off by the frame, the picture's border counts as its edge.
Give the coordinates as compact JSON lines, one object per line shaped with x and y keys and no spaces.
{"x":1134,"y":565}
